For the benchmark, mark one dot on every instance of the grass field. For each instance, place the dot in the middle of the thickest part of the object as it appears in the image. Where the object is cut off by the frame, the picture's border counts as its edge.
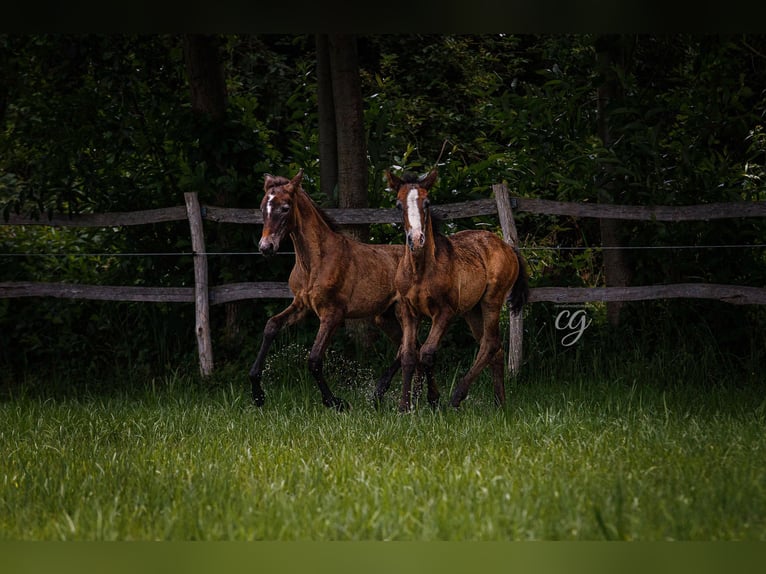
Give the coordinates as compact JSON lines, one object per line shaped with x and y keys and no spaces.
{"x":587,"y":448}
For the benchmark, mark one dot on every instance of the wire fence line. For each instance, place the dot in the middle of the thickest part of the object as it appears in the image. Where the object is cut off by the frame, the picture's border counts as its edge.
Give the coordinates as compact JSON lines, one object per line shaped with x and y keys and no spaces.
{"x":258,"y":253}
{"x":502,"y":206}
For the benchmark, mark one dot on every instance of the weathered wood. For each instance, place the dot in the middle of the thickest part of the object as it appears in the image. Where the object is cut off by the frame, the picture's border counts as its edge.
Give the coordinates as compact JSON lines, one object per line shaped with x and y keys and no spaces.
{"x":116,"y":219}
{"x":510,"y":236}
{"x":361,"y":216}
{"x":232,"y":215}
{"x":738,"y":295}
{"x":201,"y":296}
{"x":243,"y":291}
{"x":204,"y":297}
{"x":505,"y":214}
{"x":96,"y":292}
{"x":645,"y":213}
{"x":735,"y":294}
{"x":457,"y":210}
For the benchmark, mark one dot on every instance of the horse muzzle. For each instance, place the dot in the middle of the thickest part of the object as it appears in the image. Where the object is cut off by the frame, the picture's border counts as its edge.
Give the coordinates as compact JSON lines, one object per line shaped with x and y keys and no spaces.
{"x":416,"y":241}
{"x":267,"y":246}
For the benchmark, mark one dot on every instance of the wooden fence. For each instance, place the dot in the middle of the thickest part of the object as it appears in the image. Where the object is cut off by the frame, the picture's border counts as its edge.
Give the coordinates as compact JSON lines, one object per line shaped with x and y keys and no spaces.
{"x":204,"y":295}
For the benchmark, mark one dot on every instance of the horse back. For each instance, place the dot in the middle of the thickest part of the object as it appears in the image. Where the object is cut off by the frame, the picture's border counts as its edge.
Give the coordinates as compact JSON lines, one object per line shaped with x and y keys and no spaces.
{"x":484,"y":262}
{"x":357,"y":277}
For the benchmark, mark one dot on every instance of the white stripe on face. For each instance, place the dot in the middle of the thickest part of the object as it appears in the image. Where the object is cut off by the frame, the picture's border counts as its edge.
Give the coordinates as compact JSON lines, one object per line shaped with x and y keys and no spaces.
{"x":268,"y":204}
{"x":413,"y":214}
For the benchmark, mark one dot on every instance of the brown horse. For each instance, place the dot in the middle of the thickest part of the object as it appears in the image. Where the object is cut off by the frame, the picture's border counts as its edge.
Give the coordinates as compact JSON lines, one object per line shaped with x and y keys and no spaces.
{"x":334,"y":277}
{"x":470,"y":273}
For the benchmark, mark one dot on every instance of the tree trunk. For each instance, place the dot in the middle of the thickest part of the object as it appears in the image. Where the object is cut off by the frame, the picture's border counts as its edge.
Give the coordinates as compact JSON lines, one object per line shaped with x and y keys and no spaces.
{"x":349,"y":122}
{"x":616,"y":271}
{"x":205,"y":72}
{"x":207,"y":86}
{"x":328,"y":138}
{"x":340,"y":99}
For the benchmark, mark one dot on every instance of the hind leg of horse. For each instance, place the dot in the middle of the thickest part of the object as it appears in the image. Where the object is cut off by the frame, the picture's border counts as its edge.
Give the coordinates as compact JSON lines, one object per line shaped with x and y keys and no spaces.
{"x":294,"y":313}
{"x":497,"y":364}
{"x":488,"y":350}
{"x":391,"y":327}
{"x":498,"y":377}
{"x":328,"y":323}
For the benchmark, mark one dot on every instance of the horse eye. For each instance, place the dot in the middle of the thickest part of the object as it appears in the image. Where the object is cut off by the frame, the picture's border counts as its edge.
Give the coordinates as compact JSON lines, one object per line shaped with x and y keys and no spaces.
{"x":285,"y":208}
{"x":398,"y":205}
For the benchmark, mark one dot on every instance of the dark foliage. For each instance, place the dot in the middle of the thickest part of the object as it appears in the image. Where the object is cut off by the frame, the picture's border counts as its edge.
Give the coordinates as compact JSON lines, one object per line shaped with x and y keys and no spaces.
{"x":95,"y":123}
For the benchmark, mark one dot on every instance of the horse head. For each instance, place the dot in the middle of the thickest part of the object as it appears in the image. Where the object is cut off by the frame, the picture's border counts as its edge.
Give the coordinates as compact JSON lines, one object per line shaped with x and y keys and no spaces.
{"x":412,"y":200}
{"x":277,"y":210}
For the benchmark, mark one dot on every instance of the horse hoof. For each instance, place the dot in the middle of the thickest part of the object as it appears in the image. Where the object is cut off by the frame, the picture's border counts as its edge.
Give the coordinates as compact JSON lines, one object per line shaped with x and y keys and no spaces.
{"x":404,"y":408}
{"x":258,"y":399}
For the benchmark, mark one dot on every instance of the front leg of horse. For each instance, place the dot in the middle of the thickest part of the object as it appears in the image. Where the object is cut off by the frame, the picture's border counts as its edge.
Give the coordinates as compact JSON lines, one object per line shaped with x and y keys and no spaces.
{"x":426,"y":368}
{"x":292,"y":314}
{"x":409,"y":366}
{"x":409,"y":356}
{"x":384,"y":382}
{"x":389,"y":324}
{"x":256,"y":371}
{"x":327,"y":327}
{"x":316,"y":366}
{"x":428,"y":355}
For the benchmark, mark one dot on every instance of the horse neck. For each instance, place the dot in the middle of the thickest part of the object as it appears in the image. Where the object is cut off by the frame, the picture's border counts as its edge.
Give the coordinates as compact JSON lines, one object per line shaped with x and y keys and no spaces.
{"x":312,"y":236}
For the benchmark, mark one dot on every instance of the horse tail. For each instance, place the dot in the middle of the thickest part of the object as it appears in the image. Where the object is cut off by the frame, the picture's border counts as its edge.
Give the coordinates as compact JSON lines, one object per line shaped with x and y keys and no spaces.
{"x":520,"y":290}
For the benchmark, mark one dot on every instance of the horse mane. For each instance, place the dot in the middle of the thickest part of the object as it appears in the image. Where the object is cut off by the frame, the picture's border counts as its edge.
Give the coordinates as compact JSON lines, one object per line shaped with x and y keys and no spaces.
{"x":331,"y":223}
{"x":279,"y":181}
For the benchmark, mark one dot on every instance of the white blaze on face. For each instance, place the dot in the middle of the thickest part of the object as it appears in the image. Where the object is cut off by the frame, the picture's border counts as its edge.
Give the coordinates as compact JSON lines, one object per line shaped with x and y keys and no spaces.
{"x":413,"y":214}
{"x":268,"y":204}
{"x":415,"y":237}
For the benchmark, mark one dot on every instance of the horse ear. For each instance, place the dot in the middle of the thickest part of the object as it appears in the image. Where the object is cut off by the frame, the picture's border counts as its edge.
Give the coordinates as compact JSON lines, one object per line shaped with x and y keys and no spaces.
{"x":297,"y":177}
{"x":393,"y":181}
{"x":268,"y":180}
{"x":429,"y":179}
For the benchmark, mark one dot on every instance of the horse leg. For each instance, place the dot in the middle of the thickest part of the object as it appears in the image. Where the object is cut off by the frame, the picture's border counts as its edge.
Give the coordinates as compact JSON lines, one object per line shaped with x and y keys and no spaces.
{"x":497,"y":364}
{"x":408,"y":355}
{"x":292,"y":314}
{"x":498,"y":377}
{"x":439,"y":325}
{"x":328,"y":323}
{"x":391,"y":327}
{"x":488,"y":350}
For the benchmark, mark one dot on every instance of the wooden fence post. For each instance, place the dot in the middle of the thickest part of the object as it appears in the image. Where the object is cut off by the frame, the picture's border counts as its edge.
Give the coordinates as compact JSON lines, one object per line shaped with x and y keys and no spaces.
{"x":510,"y":235}
{"x":201,"y":295}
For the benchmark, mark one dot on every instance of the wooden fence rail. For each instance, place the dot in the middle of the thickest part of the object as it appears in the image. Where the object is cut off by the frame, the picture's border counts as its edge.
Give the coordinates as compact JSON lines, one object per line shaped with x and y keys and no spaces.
{"x":501,"y":206}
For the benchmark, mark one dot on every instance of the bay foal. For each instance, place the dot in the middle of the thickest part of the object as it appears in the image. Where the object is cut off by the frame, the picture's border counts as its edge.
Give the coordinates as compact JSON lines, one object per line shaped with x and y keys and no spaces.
{"x":470,"y":273}
{"x":334,"y":277}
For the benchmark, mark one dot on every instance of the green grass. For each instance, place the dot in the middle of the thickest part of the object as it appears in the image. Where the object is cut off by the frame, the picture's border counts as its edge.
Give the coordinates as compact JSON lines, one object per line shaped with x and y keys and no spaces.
{"x":643,"y":451}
